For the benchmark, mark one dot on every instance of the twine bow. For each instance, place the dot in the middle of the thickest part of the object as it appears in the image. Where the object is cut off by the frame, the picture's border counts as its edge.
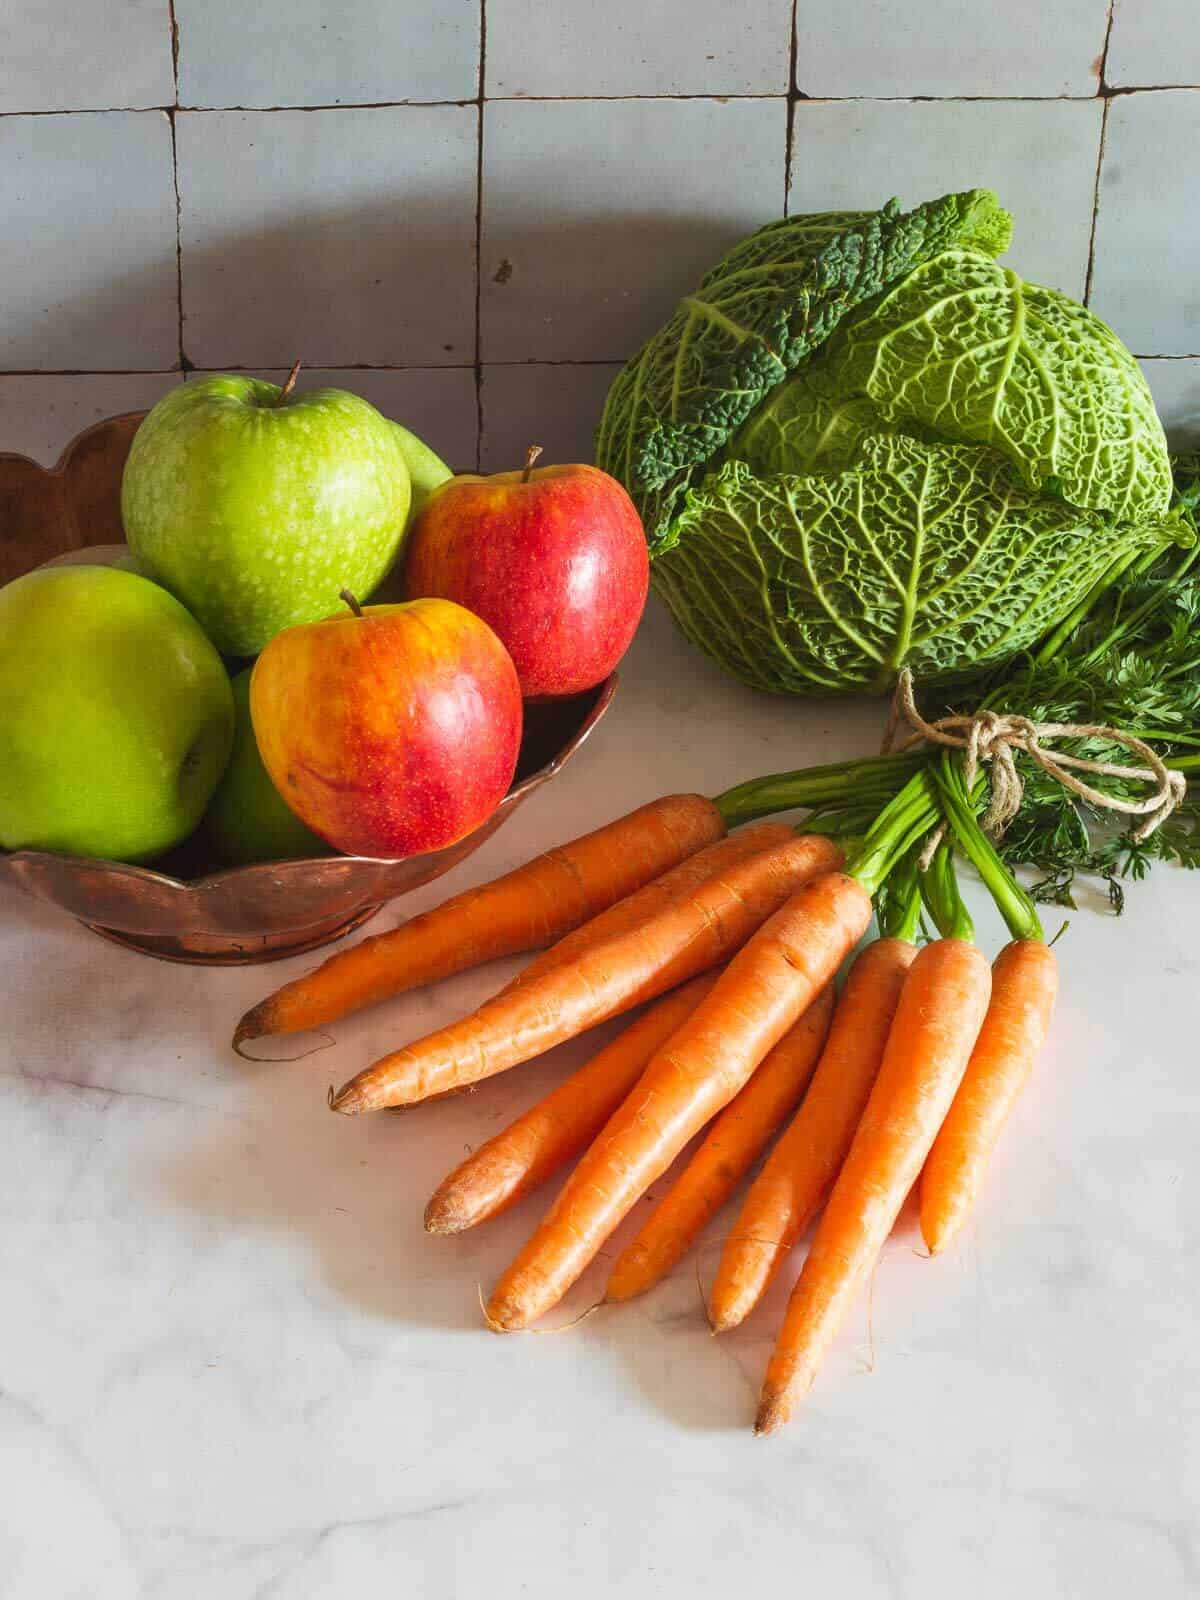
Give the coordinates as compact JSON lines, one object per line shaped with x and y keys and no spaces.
{"x":996,"y":736}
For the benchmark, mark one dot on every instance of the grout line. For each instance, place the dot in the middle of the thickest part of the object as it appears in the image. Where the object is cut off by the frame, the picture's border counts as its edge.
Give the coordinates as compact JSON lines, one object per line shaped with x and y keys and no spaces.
{"x":172,"y":114}
{"x":267,"y":366}
{"x":1102,"y":66}
{"x":90,"y":372}
{"x":328,"y":366}
{"x":1111,"y":93}
{"x":1091,"y":260}
{"x":943,"y":99}
{"x":183,"y":361}
{"x":201,"y":372}
{"x":89,"y":111}
{"x":334,"y":105}
{"x":174,"y":21}
{"x":793,"y":94}
{"x":479,"y":236}
{"x":196,"y":110}
{"x":1102,"y":87}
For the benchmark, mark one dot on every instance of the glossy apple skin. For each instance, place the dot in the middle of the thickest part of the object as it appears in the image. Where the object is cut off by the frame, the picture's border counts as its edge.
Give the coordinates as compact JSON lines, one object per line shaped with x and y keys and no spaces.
{"x":556,"y":565}
{"x":254,"y":507}
{"x":391,"y":733}
{"x":116,"y":715}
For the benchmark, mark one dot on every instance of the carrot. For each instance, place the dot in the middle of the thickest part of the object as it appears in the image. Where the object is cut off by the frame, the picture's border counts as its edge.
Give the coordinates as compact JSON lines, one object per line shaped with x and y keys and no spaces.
{"x":765,"y":989}
{"x":558,"y":1127}
{"x":525,"y":909}
{"x":941,"y":1009}
{"x":734,"y":1142}
{"x":691,"y":935}
{"x":1024,"y":985}
{"x":784,"y":1197}
{"x":655,"y":895}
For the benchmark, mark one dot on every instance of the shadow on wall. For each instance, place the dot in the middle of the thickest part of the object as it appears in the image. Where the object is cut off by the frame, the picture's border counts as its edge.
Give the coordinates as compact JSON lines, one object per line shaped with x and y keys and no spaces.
{"x":391,"y":286}
{"x":395,"y":286}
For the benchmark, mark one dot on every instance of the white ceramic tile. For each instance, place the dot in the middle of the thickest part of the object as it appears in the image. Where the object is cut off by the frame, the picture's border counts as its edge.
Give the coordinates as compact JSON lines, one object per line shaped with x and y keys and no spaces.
{"x":1040,"y":158}
{"x":557,"y":407}
{"x":40,"y":415}
{"x":598,"y":215}
{"x":438,"y":404}
{"x":1146,"y":281}
{"x":1154,"y":42}
{"x":58,"y":55}
{"x":87,"y":242}
{"x":575,"y":47}
{"x":336,"y":236}
{"x":949,"y":47}
{"x":309,"y":53}
{"x":1175,"y":386}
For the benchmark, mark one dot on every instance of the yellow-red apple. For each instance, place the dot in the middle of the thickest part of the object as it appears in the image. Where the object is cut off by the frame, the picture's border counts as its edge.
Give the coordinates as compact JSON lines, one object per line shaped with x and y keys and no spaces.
{"x":389,"y":730}
{"x":554,"y":558}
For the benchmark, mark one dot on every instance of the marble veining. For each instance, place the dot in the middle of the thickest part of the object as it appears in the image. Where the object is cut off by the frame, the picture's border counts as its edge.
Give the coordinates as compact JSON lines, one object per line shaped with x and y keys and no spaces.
{"x":232,"y":1365}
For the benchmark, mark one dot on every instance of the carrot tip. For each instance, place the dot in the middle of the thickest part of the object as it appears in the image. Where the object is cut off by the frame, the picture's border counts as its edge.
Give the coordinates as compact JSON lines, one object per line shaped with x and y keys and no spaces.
{"x":437,"y":1220}
{"x":936,"y":1232}
{"x":253,"y":1025}
{"x":344,"y":1100}
{"x":773,"y":1412}
{"x":497,"y":1324}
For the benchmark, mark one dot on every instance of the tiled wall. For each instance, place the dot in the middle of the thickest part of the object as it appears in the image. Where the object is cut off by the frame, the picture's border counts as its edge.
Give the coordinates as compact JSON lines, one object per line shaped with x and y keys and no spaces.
{"x":482,"y":206}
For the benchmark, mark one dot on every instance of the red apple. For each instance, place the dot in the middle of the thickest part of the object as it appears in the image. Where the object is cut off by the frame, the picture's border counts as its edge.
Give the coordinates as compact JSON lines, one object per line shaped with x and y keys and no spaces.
{"x":553,"y":558}
{"x":389,"y":730}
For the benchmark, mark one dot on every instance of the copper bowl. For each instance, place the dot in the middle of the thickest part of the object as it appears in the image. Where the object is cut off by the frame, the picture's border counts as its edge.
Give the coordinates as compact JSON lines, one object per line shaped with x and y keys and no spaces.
{"x":179,"y":910}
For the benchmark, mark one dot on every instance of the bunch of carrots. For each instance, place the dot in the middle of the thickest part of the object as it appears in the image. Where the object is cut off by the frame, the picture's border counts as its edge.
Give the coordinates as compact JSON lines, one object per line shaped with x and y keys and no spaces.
{"x":730,"y":932}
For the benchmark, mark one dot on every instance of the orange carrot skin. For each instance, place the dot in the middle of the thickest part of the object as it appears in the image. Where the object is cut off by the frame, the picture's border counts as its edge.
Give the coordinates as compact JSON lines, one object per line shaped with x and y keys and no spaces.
{"x":1024,"y":987}
{"x":785,"y":1196}
{"x":656,"y":895}
{"x":762,"y":993}
{"x":737,"y":1138}
{"x":941,"y":1010}
{"x":529,"y":907}
{"x":689,"y":937}
{"x":558,"y":1127}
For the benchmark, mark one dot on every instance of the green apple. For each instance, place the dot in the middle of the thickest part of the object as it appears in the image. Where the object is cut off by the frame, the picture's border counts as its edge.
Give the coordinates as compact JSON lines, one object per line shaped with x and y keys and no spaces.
{"x":256,"y":506}
{"x":247,"y":818}
{"x":116,"y":715}
{"x":427,"y":472}
{"x":426,"y":469}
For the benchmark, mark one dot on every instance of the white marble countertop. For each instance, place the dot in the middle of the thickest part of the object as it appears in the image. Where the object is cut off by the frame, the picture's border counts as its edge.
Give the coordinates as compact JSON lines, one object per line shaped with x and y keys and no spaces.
{"x":233,"y":1365}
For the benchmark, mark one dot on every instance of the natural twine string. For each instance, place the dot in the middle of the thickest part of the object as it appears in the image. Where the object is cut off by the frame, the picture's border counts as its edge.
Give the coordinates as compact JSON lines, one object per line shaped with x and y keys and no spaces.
{"x":996,"y":736}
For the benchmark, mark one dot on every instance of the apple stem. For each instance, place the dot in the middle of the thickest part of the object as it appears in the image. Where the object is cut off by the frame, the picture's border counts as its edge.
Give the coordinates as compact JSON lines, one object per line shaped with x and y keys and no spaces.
{"x":289,"y":385}
{"x":531,"y":456}
{"x":344,"y":594}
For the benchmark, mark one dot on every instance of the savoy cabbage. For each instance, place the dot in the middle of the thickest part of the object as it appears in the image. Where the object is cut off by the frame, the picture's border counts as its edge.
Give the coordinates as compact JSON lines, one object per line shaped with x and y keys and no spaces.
{"x":863,"y":443}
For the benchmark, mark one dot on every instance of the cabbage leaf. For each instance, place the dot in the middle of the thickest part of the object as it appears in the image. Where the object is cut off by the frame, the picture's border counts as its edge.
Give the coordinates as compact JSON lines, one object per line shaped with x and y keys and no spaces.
{"x":753,"y":318}
{"x":964,"y":349}
{"x":862,"y":444}
{"x":926,"y":554}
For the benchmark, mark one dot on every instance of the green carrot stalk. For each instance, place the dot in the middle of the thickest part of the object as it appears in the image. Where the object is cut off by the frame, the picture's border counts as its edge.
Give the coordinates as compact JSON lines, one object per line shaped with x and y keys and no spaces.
{"x":1013,"y":903}
{"x":939,"y":890}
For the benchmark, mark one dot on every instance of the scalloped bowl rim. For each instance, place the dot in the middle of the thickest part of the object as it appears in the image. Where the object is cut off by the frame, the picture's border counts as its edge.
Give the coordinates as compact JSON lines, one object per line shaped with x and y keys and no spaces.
{"x":209,"y":880}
